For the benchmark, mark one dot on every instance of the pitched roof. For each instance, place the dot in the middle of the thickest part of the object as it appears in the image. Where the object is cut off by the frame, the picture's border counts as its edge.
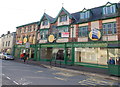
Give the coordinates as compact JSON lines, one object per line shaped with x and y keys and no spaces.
{"x":63,"y":9}
{"x":49,"y":18}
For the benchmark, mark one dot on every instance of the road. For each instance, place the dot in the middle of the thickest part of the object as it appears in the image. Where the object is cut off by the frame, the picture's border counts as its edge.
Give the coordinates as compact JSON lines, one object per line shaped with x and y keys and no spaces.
{"x":15,"y":73}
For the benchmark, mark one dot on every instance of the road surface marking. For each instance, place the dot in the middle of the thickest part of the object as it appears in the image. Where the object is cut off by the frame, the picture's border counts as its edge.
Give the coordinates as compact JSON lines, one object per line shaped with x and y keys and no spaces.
{"x":64,"y":74}
{"x":9,"y":78}
{"x":3,"y":74}
{"x":39,"y":71}
{"x":60,"y":78}
{"x":16,"y":82}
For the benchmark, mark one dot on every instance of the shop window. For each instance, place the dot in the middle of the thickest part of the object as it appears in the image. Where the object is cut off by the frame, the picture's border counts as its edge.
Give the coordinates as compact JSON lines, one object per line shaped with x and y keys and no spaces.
{"x":109,"y":9}
{"x":85,"y":15}
{"x":83,"y":31}
{"x":63,"y":18}
{"x":109,"y":28}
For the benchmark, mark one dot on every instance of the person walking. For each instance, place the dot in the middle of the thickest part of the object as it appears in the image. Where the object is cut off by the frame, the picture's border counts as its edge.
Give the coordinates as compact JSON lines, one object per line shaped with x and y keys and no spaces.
{"x":25,"y":57}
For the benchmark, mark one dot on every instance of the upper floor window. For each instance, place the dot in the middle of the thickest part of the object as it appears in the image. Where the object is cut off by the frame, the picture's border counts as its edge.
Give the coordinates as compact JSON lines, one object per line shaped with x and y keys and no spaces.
{"x":63,"y":18}
{"x":25,"y":29}
{"x":83,"y":31}
{"x":8,"y":43}
{"x":85,"y":15}
{"x":109,"y":9}
{"x":109,"y":28}
{"x":43,"y":34}
{"x":45,"y":22}
{"x":60,"y":30}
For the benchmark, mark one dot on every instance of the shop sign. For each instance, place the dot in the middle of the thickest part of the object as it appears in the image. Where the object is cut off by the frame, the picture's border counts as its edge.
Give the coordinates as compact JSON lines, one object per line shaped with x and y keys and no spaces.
{"x":25,"y":40}
{"x":51,"y":38}
{"x":53,"y":45}
{"x":95,"y":35}
{"x":91,"y":45}
{"x":27,"y":45}
{"x":18,"y":42}
{"x":20,"y":45}
{"x":65,"y":34}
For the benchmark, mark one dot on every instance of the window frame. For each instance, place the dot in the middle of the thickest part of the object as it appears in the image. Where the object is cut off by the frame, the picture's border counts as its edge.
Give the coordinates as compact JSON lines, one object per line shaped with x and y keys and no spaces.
{"x":63,"y":18}
{"x":83,"y":30}
{"x":85,"y":14}
{"x":109,"y":9}
{"x":113,"y":28}
{"x":45,"y":22}
{"x":44,"y":34}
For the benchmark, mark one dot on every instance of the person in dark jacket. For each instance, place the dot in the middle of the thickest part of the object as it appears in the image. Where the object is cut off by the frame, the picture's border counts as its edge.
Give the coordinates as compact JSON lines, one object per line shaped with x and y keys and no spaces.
{"x":111,"y":61}
{"x":118,"y":61}
{"x":25,"y":57}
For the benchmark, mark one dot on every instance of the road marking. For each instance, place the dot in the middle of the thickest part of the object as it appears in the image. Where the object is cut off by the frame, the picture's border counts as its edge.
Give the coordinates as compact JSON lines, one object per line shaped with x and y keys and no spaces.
{"x":91,"y":81}
{"x":16,"y":82}
{"x":64,"y":74}
{"x":8,"y":78}
{"x":39,"y":71}
{"x":3,"y":74}
{"x":60,"y":78}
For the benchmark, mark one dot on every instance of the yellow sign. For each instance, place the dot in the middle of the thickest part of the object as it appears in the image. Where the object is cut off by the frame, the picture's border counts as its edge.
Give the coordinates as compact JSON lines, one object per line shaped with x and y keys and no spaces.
{"x":51,"y":38}
{"x":95,"y":34}
{"x":25,"y":40}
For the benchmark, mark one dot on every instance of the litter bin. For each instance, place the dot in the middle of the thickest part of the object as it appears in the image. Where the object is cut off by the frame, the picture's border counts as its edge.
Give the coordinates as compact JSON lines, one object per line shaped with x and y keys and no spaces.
{"x":114,"y":69}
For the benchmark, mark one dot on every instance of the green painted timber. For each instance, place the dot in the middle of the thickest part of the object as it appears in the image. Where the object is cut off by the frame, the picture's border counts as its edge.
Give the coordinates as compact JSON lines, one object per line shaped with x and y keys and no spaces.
{"x":92,"y":65}
{"x":114,"y":69}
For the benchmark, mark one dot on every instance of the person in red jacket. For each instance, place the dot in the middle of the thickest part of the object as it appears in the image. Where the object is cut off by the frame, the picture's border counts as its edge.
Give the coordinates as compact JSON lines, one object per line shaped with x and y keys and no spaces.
{"x":22,"y":56}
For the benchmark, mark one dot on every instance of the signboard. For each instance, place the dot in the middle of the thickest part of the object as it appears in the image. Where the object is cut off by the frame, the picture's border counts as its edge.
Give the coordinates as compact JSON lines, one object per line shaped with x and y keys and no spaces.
{"x":51,"y":38}
{"x":25,"y":40}
{"x":27,"y":45}
{"x":18,"y":42}
{"x":95,"y":35}
{"x":65,"y":34}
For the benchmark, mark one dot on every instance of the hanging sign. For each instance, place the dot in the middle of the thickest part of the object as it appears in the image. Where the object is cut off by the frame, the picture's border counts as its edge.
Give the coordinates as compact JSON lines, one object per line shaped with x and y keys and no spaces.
{"x":51,"y":38}
{"x":95,"y":34}
{"x":25,"y":40}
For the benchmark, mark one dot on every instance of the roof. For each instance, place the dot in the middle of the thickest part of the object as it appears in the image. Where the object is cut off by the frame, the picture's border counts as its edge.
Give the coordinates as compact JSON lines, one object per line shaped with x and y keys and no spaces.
{"x":28,"y":24}
{"x":49,"y":18}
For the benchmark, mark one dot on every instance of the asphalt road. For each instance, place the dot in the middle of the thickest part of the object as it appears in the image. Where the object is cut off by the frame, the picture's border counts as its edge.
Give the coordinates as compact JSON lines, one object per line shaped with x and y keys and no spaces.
{"x":25,"y":74}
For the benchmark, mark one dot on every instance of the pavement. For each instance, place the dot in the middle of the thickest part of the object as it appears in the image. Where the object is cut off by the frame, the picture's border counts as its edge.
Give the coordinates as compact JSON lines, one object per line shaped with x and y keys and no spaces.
{"x":89,"y":71}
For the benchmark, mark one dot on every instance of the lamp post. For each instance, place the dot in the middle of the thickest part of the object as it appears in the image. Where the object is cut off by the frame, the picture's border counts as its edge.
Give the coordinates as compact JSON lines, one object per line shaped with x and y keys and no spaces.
{"x":72,"y":27}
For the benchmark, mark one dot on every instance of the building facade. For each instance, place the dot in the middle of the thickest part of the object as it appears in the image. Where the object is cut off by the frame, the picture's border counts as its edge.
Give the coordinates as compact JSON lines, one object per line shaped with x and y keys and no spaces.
{"x":26,"y":36}
{"x":7,"y":42}
{"x":89,"y":36}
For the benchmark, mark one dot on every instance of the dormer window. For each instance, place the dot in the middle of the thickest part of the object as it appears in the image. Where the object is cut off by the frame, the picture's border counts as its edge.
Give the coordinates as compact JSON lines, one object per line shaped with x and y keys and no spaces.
{"x":85,"y":15}
{"x":63,"y":18}
{"x":45,"y":22}
{"x":111,"y":9}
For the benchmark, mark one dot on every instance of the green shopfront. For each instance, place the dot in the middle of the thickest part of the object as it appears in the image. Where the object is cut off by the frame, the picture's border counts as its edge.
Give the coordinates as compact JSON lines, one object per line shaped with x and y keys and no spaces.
{"x":95,"y":54}
{"x":18,"y":49}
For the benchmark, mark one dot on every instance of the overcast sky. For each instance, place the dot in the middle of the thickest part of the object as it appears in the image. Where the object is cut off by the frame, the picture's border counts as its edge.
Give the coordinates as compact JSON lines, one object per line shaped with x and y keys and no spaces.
{"x":14,"y":13}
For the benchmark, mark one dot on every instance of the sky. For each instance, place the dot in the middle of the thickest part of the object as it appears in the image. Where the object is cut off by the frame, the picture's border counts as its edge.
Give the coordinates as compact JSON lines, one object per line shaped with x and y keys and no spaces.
{"x":15,"y":13}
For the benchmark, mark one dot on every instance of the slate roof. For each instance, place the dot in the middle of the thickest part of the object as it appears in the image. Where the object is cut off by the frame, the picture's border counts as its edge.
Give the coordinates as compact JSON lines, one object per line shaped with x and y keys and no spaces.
{"x":95,"y":14}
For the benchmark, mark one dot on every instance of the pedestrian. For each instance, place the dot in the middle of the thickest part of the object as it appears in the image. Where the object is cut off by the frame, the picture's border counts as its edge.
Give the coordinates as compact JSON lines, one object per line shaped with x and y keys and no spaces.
{"x":25,"y":57}
{"x":21,"y":56}
{"x":118,"y":61}
{"x":111,"y":61}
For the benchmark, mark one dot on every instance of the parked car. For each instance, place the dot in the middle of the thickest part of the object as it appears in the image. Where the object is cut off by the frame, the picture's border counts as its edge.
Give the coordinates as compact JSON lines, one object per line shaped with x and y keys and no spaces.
{"x":8,"y":56}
